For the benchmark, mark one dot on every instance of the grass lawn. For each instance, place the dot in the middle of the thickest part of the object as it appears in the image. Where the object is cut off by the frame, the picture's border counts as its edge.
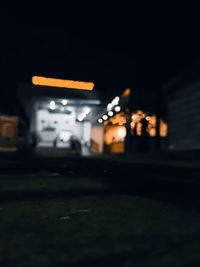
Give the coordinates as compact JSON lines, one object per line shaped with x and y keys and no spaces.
{"x":51,"y":220}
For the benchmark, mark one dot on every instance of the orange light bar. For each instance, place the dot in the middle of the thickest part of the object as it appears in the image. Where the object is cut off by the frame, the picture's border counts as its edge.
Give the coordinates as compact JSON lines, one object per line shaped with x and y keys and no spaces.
{"x":37,"y":80}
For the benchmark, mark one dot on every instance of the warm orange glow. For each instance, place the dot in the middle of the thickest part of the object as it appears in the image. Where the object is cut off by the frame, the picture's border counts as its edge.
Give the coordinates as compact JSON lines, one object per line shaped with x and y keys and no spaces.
{"x":163,"y":128}
{"x":126,"y":92}
{"x":43,"y":81}
{"x":151,"y":128}
{"x":114,"y":134}
{"x":119,"y":118}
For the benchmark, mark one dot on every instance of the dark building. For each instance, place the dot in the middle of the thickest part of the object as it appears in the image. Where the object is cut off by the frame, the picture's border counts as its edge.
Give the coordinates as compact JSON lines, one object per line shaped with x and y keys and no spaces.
{"x":183,"y":111}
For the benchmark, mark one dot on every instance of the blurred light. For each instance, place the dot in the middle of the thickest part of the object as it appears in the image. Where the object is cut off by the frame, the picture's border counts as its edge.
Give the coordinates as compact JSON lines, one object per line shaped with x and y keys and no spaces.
{"x":115,"y":101}
{"x":134,"y":117}
{"x":81,"y":116}
{"x":109,"y":106}
{"x":117,"y":108}
{"x":121,"y":132}
{"x":110,"y":113}
{"x":148,"y":118}
{"x":100,"y":120}
{"x":126,"y":92}
{"x":86,"y":110}
{"x":64,"y":102}
{"x":52,"y":105}
{"x":43,"y":81}
{"x":105,"y":117}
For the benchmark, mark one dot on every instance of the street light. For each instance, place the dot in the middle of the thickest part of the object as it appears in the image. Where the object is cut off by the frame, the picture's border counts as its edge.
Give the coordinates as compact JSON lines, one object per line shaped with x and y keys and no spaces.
{"x":105,"y":117}
{"x":117,"y":108}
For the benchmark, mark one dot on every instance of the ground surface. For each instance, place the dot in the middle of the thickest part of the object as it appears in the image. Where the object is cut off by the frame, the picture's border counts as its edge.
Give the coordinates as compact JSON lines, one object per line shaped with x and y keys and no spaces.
{"x":99,"y":212}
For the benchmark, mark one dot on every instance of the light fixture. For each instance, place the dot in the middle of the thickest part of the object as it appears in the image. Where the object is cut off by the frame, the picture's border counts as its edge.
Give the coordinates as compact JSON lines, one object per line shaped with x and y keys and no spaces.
{"x":52,"y":105}
{"x":134,"y":117}
{"x":115,"y":101}
{"x":43,"y":81}
{"x":64,"y":102}
{"x":86,"y":110}
{"x":100,"y":120}
{"x":105,"y":117}
{"x":81,"y":117}
{"x":110,"y":113}
{"x":109,"y":106}
{"x":117,"y":108}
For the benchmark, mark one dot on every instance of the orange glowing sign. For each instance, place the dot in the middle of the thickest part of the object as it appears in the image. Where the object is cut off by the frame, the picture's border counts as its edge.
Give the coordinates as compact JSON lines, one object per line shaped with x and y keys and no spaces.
{"x":43,"y":81}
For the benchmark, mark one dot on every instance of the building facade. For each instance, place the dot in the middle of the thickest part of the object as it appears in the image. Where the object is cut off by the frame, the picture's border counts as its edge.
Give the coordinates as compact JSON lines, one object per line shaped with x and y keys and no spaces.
{"x":58,"y":114}
{"x":183,"y":111}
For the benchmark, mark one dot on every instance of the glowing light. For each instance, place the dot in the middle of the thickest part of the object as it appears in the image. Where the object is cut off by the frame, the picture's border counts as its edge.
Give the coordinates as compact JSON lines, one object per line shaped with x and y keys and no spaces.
{"x":117,"y":108}
{"x":109,"y":106}
{"x":134,"y":117}
{"x":105,"y":117}
{"x":115,"y":101}
{"x":87,"y":110}
{"x":81,"y":117}
{"x":110,"y":113}
{"x":64,"y":102}
{"x":52,"y":105}
{"x":43,"y":81}
{"x":121,"y":132}
{"x":100,"y":120}
{"x":132,"y":124}
{"x":126,"y":92}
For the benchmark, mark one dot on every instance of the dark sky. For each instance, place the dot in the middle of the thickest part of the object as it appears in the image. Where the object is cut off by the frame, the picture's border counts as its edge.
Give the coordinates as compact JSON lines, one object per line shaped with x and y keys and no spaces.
{"x":114,"y":50}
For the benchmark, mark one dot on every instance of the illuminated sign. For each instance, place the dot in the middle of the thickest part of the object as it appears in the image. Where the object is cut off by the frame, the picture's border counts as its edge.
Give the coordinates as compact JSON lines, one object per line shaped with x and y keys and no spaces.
{"x":43,"y":81}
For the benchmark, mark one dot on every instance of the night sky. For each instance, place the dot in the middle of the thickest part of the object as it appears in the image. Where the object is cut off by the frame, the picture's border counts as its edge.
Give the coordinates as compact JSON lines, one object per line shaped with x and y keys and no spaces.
{"x":114,"y":50}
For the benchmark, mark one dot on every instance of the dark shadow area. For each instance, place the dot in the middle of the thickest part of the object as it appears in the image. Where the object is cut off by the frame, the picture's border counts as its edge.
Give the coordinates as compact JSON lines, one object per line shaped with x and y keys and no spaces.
{"x":37,"y":195}
{"x":178,"y":185}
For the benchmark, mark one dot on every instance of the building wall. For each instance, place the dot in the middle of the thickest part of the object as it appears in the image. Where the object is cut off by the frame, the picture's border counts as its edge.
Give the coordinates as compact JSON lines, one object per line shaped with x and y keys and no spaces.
{"x":184,"y":117}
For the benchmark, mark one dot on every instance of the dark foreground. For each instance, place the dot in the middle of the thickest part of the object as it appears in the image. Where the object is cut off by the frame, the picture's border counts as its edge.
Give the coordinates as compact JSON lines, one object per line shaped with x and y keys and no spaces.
{"x":99,"y":212}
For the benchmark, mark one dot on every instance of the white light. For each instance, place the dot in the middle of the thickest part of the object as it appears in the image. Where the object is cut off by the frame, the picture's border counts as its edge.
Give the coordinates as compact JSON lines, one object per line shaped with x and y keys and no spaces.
{"x":109,"y":106}
{"x":115,"y":101}
{"x":134,"y":117}
{"x":121,"y":132}
{"x":100,"y":120}
{"x":110,"y":113}
{"x":81,"y":116}
{"x":87,"y":110}
{"x":105,"y":117}
{"x":52,"y":105}
{"x":64,"y":102}
{"x":117,"y":108}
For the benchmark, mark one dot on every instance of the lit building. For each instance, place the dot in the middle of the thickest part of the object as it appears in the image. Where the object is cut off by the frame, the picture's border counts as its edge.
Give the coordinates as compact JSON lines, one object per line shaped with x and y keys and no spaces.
{"x":141,"y":128}
{"x":58,"y":113}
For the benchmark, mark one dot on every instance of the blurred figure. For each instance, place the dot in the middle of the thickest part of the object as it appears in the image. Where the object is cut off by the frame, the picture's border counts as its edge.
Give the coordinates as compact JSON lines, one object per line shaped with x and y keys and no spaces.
{"x":145,"y":136}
